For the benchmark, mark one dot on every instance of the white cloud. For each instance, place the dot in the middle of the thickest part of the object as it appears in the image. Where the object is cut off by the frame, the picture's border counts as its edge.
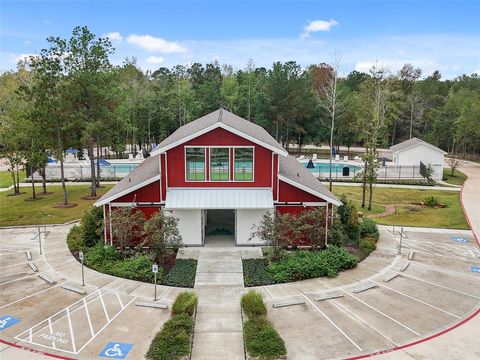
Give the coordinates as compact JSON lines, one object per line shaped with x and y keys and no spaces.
{"x":151,"y":43}
{"x":28,"y":42}
{"x":115,"y":37}
{"x":15,"y":58}
{"x":154,"y":60}
{"x":318,"y":25}
{"x":47,"y":21}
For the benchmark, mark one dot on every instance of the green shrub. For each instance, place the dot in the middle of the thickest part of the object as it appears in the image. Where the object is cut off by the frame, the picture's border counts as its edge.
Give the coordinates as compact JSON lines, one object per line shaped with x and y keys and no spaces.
{"x":252,"y":305}
{"x":74,"y":239}
{"x":431,"y":201}
{"x":337,"y":234}
{"x":262,"y":341}
{"x":368,"y":228}
{"x":368,"y":244}
{"x":173,"y":341}
{"x":307,"y":264}
{"x":348,"y":215}
{"x":185,"y":303}
{"x":182,"y":274}
{"x":138,"y":267}
{"x":92,"y":225}
{"x":255,"y":272}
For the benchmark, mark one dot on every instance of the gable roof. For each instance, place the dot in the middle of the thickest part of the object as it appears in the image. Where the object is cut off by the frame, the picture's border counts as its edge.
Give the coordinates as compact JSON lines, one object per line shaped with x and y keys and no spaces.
{"x":294,"y":173}
{"x":223,"y":119}
{"x":413,"y":142}
{"x":147,"y":172}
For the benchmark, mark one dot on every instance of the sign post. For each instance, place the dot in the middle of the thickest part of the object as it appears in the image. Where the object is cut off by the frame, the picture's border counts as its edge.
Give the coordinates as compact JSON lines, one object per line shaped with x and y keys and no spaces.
{"x":80,"y":255}
{"x":39,"y":240}
{"x":155,"y":271}
{"x":401,"y":239}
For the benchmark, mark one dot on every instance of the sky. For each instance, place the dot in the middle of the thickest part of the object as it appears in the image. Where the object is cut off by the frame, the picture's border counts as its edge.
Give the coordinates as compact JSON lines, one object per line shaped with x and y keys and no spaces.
{"x":432,"y":35}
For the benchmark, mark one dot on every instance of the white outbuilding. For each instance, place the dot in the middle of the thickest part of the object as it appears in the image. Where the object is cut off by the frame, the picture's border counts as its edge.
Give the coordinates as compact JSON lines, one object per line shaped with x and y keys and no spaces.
{"x":415,"y":151}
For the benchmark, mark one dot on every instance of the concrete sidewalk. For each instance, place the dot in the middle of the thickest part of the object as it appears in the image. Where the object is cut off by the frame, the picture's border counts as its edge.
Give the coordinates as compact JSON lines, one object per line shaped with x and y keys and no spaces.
{"x":398,"y":186}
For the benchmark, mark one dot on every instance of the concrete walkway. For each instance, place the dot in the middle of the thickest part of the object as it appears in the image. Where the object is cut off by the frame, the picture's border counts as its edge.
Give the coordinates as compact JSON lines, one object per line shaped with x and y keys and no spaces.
{"x":219,"y":282}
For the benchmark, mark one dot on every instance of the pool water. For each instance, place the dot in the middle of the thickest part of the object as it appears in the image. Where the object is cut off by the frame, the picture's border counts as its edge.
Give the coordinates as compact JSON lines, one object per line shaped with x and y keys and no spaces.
{"x":324,"y":167}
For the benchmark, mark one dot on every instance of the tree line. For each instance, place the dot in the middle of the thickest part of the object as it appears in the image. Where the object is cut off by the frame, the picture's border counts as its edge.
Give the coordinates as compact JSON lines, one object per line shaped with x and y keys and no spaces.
{"x":70,"y":95}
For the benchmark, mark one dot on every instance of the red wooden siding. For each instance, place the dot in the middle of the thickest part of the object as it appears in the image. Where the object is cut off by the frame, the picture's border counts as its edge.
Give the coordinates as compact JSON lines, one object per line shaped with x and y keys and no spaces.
{"x":163,"y":177}
{"x":275,"y":176}
{"x":220,"y":137}
{"x":289,"y":193}
{"x":149,"y":193}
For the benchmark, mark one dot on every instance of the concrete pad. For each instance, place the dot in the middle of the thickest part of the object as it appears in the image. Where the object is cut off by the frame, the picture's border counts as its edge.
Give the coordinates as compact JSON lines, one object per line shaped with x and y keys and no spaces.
{"x":280,"y":291}
{"x":218,"y":346}
{"x":147,"y":291}
{"x":220,"y":266}
{"x":219,"y":279}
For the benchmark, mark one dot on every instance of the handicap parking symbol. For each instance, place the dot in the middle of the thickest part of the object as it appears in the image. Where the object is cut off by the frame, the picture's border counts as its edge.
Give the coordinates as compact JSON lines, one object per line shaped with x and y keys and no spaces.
{"x":475,"y":268}
{"x":6,"y":321}
{"x":116,"y":350}
{"x":458,"y":239}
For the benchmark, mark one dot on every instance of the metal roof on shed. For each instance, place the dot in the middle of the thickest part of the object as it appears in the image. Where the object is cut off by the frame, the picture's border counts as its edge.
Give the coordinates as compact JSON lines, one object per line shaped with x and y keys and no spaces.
{"x":219,"y":198}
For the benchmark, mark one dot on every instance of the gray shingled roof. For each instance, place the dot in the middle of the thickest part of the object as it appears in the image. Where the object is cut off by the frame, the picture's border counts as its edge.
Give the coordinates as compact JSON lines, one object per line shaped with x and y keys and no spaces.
{"x":226,"y":117}
{"x":411,"y":142}
{"x":148,"y":168}
{"x":292,"y":169}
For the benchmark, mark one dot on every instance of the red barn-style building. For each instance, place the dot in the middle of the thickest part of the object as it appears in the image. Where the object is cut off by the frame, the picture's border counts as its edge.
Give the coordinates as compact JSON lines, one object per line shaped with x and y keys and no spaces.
{"x":218,"y":175}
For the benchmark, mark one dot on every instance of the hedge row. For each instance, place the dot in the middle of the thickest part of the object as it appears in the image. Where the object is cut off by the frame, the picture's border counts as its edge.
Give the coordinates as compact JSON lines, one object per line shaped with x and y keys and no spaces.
{"x":173,"y":341}
{"x":261,"y":339}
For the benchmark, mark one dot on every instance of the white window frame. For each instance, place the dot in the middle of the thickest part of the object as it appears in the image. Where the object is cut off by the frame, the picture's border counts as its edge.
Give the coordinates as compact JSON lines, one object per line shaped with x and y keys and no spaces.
{"x":185,"y":163}
{"x":253,"y":164}
{"x":230,"y":163}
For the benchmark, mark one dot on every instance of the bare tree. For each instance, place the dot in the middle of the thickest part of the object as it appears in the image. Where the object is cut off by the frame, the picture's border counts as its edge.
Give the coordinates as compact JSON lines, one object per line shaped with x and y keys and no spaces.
{"x":331,"y":98}
{"x":453,"y":163}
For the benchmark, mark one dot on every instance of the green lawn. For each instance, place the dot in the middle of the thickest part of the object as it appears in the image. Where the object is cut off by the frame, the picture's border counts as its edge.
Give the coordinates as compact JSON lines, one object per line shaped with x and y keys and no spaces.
{"x":458,"y":179}
{"x":14,"y":210}
{"x":449,"y":217}
{"x":6,"y":178}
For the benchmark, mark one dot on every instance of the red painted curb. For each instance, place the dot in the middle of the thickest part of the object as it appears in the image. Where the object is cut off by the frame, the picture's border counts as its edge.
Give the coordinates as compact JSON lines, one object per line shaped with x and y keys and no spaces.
{"x":34,"y":350}
{"x":441,"y":332}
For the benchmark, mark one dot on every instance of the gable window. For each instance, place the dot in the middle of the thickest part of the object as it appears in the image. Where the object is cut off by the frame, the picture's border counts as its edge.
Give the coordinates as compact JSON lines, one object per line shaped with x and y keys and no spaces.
{"x":219,"y":164}
{"x":243,"y":164}
{"x":195,"y":163}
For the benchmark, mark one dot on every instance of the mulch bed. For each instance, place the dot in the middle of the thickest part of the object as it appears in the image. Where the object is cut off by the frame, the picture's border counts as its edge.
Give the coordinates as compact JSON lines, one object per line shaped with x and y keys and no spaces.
{"x":90,"y":197}
{"x":32,"y":199}
{"x":62,"y":206}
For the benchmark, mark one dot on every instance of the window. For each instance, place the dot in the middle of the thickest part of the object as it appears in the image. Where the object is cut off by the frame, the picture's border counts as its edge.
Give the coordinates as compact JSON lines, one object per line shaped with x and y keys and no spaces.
{"x":195,"y":163}
{"x":243,"y":167}
{"x":219,"y":164}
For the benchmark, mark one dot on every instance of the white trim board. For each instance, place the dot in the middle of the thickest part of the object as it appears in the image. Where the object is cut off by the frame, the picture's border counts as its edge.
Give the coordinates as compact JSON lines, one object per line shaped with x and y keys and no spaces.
{"x":126,"y":191}
{"x":307,"y":189}
{"x":222,"y":125}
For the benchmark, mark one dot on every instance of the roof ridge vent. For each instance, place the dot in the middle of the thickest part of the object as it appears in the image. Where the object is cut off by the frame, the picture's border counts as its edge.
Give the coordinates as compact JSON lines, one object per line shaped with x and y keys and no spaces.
{"x":220,"y":115}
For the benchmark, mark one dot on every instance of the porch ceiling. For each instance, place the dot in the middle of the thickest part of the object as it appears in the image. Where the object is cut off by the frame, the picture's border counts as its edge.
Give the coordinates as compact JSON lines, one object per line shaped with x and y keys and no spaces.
{"x":219,"y":198}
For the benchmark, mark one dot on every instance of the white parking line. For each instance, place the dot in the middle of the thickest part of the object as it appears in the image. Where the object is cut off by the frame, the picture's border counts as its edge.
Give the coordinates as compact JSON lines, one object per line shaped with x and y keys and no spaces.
{"x":434,"y":284}
{"x":25,"y":277}
{"x":72,"y":336}
{"x":29,"y":296}
{"x":430,"y":252}
{"x":17,"y":264}
{"x":103,"y":305}
{"x":331,"y":322}
{"x":88,"y":317}
{"x":415,"y":299}
{"x":448,"y":272}
{"x":376,"y":310}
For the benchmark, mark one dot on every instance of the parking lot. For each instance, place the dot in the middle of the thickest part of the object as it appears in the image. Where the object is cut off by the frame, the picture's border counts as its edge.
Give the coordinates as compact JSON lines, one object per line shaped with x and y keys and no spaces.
{"x":386,"y":301}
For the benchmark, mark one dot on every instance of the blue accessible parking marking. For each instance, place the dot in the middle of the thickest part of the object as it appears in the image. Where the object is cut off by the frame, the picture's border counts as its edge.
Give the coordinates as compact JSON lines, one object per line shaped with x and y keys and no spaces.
{"x":116,"y":350}
{"x":458,"y":239}
{"x":475,"y":268}
{"x":6,"y":321}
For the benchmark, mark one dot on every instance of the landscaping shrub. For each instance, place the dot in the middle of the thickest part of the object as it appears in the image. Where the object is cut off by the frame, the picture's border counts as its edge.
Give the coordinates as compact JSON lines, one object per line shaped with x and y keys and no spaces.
{"x":368,"y":244}
{"x":182,"y":274}
{"x":252,"y":305}
{"x":92,"y":225}
{"x":138,"y":267}
{"x":368,"y":228}
{"x":337,"y":234}
{"x":262,"y":340}
{"x":431,"y":201}
{"x":348,"y":215}
{"x":173,"y":341}
{"x":74,"y":239}
{"x":255,"y":272}
{"x":307,"y":264}
{"x":185,"y":303}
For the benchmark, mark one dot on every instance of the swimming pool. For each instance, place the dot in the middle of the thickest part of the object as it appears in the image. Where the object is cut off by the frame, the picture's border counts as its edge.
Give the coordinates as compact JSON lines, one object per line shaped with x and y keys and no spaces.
{"x":337,"y":168}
